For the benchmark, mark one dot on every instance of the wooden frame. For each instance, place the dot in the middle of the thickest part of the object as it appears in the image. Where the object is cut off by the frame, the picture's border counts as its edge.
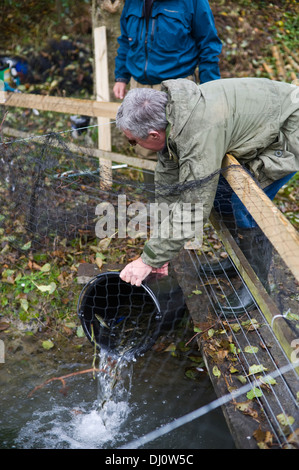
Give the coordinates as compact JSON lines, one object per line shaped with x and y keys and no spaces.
{"x":274,"y":224}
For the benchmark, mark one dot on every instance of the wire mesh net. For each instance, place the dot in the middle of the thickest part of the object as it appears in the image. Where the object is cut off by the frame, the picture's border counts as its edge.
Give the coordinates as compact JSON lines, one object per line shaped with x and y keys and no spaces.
{"x":49,"y":198}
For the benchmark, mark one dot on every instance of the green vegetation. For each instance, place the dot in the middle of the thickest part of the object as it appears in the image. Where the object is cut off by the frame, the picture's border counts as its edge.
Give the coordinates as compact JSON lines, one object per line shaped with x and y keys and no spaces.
{"x":41,"y":286}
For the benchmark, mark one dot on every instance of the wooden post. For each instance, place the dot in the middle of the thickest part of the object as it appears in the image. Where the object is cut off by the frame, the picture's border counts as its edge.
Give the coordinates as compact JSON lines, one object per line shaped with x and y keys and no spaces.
{"x":102,"y":94}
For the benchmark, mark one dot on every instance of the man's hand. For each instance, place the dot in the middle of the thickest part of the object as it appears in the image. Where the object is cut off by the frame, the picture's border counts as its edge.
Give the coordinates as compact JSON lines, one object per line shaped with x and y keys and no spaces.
{"x":135,"y":272}
{"x":119,"y":90}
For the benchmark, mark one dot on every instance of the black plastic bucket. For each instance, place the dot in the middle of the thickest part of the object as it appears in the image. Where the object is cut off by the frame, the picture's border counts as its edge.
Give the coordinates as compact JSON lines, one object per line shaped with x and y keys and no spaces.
{"x":126,"y":320}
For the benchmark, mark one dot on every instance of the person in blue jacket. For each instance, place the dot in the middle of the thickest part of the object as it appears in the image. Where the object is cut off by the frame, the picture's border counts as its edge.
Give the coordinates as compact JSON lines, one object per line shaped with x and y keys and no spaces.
{"x":165,"y":39}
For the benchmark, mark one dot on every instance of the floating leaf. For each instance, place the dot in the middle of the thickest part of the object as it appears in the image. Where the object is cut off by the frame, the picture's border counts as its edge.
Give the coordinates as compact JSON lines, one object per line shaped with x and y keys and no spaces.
{"x":48,"y":344}
{"x":197,"y":359}
{"x":194,"y":373}
{"x":251,"y":349}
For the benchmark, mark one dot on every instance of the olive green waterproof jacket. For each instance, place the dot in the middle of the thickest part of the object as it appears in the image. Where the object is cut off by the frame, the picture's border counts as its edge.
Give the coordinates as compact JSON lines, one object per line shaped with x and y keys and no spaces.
{"x":255,"y":120}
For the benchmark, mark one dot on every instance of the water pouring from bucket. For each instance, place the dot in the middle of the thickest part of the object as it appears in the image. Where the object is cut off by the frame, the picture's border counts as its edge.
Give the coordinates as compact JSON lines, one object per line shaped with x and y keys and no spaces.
{"x":124,"y":321}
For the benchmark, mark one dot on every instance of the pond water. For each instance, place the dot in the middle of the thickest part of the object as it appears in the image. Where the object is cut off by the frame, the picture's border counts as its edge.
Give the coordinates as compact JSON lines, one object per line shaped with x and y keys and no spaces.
{"x":150,"y":392}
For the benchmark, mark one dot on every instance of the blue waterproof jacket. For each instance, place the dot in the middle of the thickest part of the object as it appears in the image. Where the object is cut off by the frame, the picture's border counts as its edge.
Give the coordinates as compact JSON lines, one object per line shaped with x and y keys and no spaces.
{"x":179,"y":36}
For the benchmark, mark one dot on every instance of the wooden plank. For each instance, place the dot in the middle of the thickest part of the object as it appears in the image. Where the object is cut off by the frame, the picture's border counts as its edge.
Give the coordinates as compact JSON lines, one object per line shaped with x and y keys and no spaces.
{"x":274,"y":224}
{"x":223,"y":348}
{"x":60,"y":105}
{"x":280,"y":327}
{"x":292,"y":54}
{"x":102,"y":94}
{"x":279,"y":63}
{"x":98,"y":153}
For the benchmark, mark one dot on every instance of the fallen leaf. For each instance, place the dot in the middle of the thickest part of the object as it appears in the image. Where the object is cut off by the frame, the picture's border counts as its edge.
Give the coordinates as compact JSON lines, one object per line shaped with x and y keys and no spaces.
{"x":294,"y":437}
{"x":46,"y":268}
{"x":216,"y":372}
{"x":264,"y":439}
{"x":254,"y":393}
{"x":48,"y":344}
{"x":49,"y":288}
{"x":285,"y":420}
{"x":99,"y":262}
{"x":24,"y":304}
{"x":170,"y":348}
{"x":4,"y":326}
{"x":80,"y":332}
{"x":247,"y":408}
{"x":255,"y":369}
{"x":251,"y":349}
{"x":197,"y":292}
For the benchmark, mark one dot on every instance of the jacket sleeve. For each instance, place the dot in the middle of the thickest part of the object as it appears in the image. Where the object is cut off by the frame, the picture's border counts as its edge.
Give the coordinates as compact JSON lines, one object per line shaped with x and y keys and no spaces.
{"x":208,"y":43}
{"x":197,"y":179}
{"x":121,"y":72}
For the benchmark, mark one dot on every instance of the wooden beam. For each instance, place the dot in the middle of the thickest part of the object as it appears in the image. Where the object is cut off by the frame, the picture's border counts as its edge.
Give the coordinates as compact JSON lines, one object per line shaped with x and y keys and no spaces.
{"x":274,"y":224}
{"x":280,"y":327}
{"x":102,"y":94}
{"x":60,"y":105}
{"x":215,"y":346}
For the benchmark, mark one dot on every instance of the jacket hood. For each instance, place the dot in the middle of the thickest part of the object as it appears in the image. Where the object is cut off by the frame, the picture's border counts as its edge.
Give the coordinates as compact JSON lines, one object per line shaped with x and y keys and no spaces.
{"x":183,"y":96}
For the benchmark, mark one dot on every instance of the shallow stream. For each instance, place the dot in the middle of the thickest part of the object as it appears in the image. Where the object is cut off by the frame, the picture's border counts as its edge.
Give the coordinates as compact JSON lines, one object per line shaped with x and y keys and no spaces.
{"x":150,"y":392}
